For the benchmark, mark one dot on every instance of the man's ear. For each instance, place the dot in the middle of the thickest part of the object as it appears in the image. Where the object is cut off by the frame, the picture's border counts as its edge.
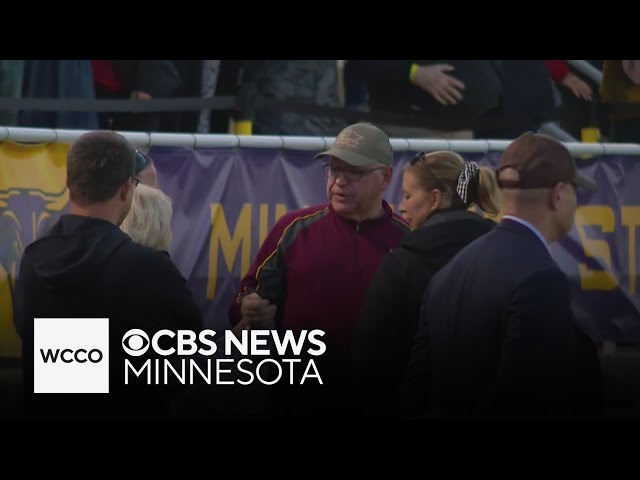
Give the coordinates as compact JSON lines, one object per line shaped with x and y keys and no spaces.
{"x":124,"y":189}
{"x":555,"y":196}
{"x":387,"y":175}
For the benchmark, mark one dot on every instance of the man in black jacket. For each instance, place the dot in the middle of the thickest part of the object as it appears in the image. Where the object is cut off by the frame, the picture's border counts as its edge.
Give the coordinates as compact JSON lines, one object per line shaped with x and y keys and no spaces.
{"x":497,"y":338}
{"x":86,"y":267}
{"x":527,"y":101}
{"x":146,"y":80}
{"x":451,"y":95}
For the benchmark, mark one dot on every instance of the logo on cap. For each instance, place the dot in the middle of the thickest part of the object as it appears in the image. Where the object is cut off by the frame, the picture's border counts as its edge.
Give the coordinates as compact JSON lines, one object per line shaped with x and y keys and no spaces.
{"x":349,"y":139}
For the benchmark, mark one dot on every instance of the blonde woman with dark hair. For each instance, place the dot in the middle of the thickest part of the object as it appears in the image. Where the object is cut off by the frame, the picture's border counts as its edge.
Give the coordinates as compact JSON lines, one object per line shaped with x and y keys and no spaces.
{"x":149,"y":220}
{"x":438,"y":190}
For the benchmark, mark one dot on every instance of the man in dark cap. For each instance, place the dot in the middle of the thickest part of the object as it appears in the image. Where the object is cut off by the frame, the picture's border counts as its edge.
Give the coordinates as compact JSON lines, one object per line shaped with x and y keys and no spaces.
{"x":497,"y":338}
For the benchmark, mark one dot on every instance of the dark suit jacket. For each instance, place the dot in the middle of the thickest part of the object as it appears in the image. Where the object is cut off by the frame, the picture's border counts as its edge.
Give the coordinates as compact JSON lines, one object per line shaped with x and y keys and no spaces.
{"x":497,"y":336}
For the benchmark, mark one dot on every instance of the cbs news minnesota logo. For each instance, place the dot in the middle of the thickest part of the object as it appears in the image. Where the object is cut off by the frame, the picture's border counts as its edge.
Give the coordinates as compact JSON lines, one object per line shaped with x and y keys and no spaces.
{"x":71,"y":355}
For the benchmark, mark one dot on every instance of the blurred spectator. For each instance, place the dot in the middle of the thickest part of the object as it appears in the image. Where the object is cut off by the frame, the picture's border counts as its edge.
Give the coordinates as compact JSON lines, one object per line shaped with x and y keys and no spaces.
{"x":632,"y":69}
{"x":147,"y":79}
{"x":560,"y":73}
{"x":108,"y":86}
{"x":209,"y":80}
{"x":58,"y":79}
{"x":189,"y":78}
{"x":574,"y":113}
{"x":213,"y":78}
{"x":528,"y":101}
{"x":307,"y":81}
{"x":139,"y":80}
{"x":619,"y":87}
{"x":356,"y":87}
{"x":453,"y":94}
{"x":227,"y":83}
{"x":10,"y":87}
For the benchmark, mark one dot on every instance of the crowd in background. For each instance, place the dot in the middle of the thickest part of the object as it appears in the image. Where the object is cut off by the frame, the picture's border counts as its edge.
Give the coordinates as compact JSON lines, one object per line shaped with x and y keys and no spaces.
{"x":458,"y":98}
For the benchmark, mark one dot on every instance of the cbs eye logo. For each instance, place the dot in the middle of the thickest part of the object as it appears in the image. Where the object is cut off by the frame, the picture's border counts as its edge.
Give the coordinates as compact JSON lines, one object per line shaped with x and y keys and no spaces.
{"x":135,"y":342}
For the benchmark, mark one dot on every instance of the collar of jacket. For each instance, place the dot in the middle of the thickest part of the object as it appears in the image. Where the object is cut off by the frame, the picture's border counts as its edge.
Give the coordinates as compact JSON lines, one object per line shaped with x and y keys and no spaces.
{"x":447,"y":214}
{"x":385,"y":217}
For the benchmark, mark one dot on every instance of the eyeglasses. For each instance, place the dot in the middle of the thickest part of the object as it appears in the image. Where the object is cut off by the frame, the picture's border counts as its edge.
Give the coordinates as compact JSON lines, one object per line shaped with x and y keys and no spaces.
{"x":135,"y":181}
{"x":350,"y":174}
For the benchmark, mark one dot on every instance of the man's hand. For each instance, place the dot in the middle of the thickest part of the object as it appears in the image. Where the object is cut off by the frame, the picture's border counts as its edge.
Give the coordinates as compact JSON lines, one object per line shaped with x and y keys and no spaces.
{"x":434,"y":80}
{"x":240,"y":326}
{"x":138,"y":95}
{"x":256,"y":311}
{"x":579,"y":88}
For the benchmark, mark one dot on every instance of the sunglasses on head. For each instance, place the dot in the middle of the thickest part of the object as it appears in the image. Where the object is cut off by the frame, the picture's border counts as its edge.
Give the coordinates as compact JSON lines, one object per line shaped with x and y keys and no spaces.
{"x":417,"y":158}
{"x":435,"y":180}
{"x":141,"y":162}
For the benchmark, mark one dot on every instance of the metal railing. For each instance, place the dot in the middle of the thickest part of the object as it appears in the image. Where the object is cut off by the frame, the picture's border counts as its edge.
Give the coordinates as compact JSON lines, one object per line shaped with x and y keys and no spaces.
{"x":141,"y":139}
{"x":587,"y":70}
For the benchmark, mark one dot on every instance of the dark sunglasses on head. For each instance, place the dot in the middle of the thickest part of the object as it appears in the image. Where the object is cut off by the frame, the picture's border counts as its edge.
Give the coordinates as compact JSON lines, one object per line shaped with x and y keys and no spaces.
{"x":417,"y":158}
{"x":436,"y":181}
{"x":141,"y":161}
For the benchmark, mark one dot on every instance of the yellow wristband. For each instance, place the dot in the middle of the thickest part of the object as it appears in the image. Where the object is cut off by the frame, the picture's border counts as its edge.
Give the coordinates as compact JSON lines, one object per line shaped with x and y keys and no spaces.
{"x":413,"y":70}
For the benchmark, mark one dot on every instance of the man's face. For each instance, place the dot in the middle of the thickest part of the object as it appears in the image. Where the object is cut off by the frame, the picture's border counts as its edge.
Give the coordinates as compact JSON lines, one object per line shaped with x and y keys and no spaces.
{"x":355,"y":191}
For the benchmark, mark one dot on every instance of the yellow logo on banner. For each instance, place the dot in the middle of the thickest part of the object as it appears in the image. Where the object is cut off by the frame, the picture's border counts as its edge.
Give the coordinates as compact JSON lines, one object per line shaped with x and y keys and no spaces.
{"x":32,"y":189}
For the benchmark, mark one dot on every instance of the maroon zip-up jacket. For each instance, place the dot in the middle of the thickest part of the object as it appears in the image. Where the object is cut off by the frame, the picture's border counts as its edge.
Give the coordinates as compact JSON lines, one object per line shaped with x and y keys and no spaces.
{"x":316,"y":266}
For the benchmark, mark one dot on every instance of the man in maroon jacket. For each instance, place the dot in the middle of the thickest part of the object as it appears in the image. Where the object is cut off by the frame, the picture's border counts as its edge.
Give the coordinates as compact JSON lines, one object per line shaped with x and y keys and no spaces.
{"x":315,"y":266}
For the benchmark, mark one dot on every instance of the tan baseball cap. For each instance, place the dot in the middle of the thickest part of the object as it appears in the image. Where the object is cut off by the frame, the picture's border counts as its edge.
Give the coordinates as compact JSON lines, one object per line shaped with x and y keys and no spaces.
{"x":361,"y":144}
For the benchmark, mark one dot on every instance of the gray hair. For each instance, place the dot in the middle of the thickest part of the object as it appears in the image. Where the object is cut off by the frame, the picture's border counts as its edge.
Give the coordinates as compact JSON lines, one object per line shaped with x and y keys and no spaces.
{"x":149,"y":220}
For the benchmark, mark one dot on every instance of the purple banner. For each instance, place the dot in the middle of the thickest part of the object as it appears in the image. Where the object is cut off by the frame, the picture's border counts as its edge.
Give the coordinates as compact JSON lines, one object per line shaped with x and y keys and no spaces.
{"x":225,"y":201}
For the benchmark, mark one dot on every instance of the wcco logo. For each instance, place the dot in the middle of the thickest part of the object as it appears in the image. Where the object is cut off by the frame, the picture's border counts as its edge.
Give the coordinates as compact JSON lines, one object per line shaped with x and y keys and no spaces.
{"x":71,"y":355}
{"x":81,"y":355}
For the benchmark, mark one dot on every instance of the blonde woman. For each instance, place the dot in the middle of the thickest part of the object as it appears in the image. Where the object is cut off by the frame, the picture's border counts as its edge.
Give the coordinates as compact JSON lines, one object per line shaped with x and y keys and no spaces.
{"x":438,"y":190}
{"x":149,"y":220}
